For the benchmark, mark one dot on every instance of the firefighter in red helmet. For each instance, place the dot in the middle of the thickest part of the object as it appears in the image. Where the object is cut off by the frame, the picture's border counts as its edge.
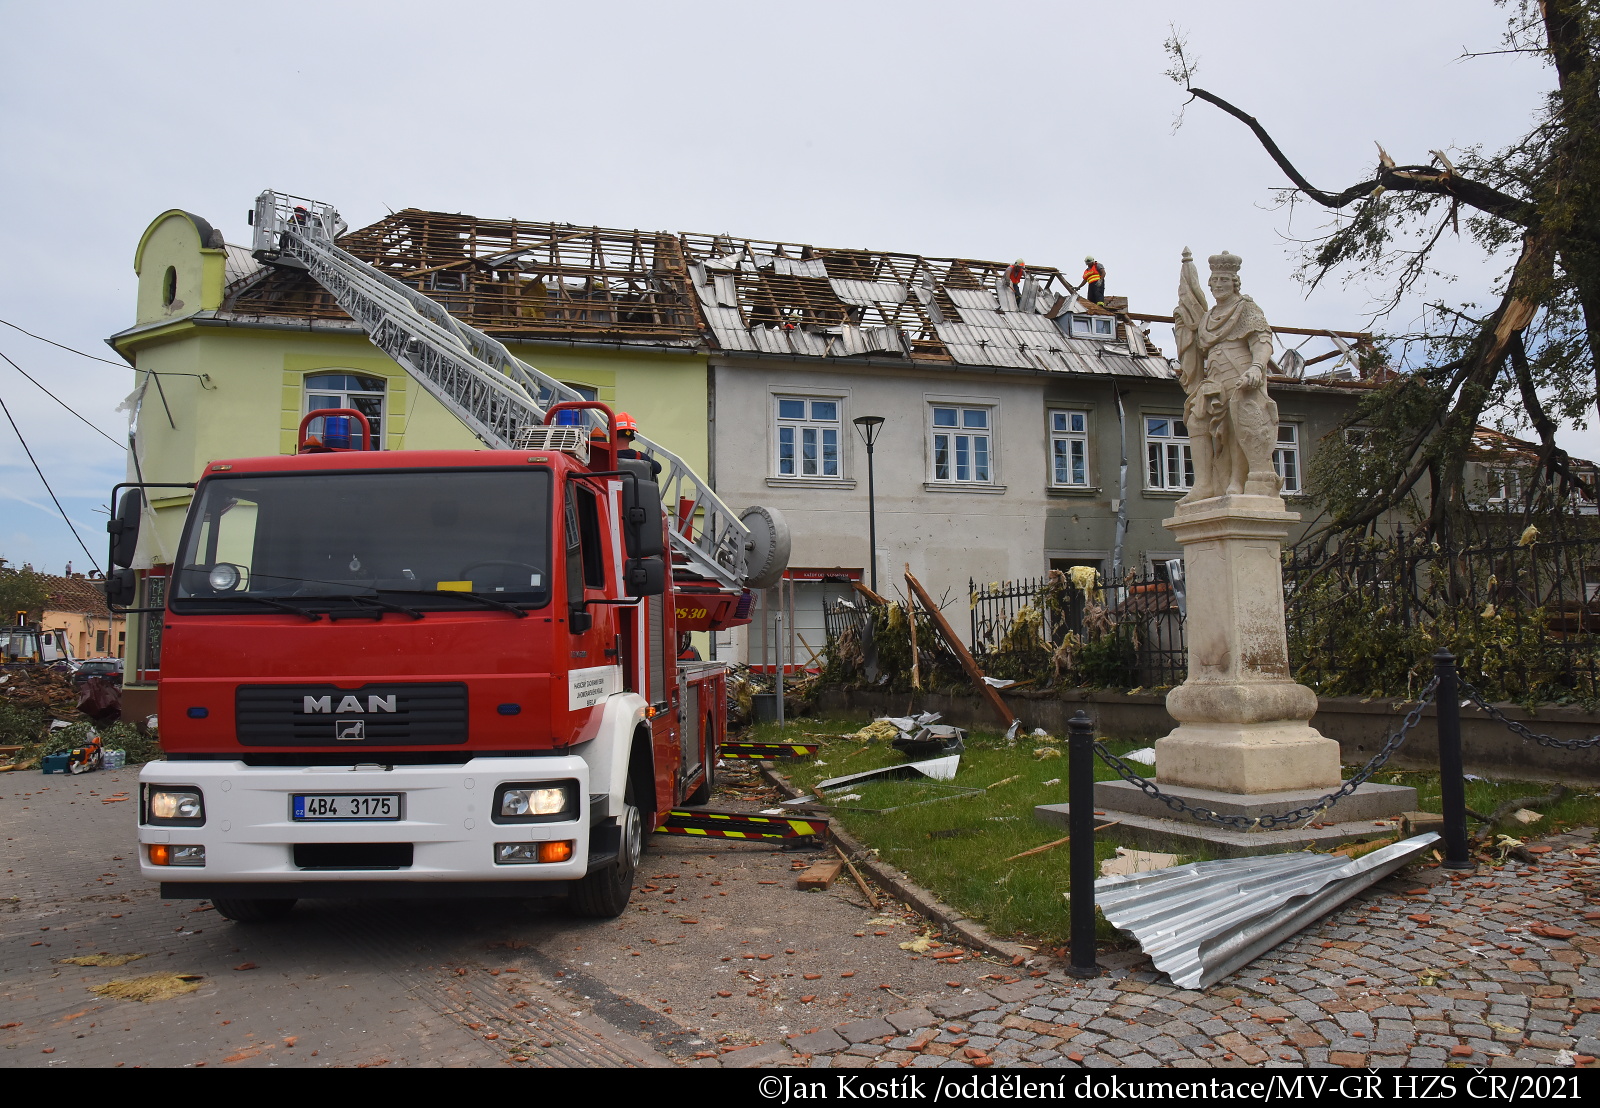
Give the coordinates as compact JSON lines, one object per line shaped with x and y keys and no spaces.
{"x":627,"y":429}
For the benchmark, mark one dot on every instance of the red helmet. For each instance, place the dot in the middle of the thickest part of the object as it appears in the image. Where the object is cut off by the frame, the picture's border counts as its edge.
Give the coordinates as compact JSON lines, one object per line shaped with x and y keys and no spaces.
{"x":625,"y":423}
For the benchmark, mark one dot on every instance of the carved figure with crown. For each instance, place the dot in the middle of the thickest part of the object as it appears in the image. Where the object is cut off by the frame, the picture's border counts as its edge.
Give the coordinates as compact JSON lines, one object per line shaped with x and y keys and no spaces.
{"x":1223,"y":352}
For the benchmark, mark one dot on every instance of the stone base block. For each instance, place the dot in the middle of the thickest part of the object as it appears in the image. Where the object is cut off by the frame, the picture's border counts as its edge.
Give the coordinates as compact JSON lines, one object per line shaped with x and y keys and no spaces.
{"x":1369,"y":802}
{"x":1171,"y":836}
{"x":1248,"y":757}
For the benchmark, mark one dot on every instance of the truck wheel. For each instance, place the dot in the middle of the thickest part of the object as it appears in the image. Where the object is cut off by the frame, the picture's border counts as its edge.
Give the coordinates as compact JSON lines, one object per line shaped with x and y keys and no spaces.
{"x":252,"y":909}
{"x":603,"y":894}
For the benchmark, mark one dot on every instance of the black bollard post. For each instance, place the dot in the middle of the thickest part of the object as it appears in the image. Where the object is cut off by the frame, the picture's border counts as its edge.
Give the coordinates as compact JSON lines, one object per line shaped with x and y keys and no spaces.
{"x":1080,"y":825}
{"x":1452,"y":782}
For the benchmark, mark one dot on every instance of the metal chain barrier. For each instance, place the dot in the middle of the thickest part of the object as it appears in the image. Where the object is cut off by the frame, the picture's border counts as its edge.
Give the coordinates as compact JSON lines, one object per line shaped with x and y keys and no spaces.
{"x":1522,"y":729}
{"x":1299,"y":815}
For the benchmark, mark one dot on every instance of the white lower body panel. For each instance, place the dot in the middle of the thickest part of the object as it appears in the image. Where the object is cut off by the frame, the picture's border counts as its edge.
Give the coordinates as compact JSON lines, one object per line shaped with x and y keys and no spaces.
{"x":447,"y":813}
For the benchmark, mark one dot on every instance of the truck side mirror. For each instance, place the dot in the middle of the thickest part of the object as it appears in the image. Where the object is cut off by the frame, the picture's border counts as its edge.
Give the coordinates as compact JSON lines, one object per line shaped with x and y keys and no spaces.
{"x":124,"y":529}
{"x":641,"y":511}
{"x":644,"y":577}
{"x":121,"y":586}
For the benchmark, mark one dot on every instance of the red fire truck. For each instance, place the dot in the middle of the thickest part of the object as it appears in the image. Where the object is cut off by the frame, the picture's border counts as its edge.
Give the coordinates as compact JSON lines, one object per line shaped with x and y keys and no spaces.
{"x":423,"y":673}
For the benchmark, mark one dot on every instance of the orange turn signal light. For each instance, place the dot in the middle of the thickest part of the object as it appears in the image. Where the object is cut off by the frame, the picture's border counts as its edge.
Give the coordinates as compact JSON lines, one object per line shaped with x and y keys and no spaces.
{"x":160,"y":854}
{"x":558,"y":851}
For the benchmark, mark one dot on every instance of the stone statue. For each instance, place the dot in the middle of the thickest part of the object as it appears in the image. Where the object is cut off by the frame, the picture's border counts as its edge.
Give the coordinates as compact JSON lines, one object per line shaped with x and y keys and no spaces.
{"x":1222,"y":361}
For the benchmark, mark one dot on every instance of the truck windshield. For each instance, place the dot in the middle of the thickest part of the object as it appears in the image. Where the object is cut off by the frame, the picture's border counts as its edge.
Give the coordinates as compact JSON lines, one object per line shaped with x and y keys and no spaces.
{"x":256,"y":542}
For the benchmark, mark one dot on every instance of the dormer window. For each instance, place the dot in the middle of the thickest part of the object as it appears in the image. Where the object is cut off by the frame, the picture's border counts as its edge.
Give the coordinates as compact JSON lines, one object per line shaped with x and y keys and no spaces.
{"x":1094,"y":327}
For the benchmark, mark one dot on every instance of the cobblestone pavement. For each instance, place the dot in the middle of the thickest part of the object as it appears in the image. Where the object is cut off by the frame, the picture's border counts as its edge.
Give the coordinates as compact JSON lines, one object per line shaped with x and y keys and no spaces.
{"x":718,"y":952}
{"x":1499,"y":968}
{"x":720,"y":961}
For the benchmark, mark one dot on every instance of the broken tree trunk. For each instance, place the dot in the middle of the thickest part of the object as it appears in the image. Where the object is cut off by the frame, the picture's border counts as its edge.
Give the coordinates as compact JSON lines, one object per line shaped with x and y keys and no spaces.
{"x":962,"y":654}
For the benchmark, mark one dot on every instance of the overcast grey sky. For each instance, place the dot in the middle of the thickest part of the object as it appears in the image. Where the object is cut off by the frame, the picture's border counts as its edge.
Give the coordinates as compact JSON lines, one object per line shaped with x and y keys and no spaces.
{"x":994,"y":130}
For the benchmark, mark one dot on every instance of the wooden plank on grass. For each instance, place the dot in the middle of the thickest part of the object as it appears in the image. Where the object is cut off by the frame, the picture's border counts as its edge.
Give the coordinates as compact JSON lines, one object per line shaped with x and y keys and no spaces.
{"x":820,"y":876}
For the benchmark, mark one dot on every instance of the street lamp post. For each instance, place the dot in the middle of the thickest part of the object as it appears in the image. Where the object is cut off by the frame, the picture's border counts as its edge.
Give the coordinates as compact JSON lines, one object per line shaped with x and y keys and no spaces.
{"x":869,"y":426}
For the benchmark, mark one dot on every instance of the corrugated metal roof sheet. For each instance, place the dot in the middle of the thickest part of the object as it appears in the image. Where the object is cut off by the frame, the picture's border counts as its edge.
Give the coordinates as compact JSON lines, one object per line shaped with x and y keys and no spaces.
{"x":1202,"y":921}
{"x":867,"y":293}
{"x":796,"y":267}
{"x":977,"y":301}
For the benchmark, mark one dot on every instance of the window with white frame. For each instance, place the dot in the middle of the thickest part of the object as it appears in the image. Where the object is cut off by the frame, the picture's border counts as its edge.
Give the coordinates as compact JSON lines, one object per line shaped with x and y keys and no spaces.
{"x":1286,"y":457}
{"x":1094,"y":327}
{"x":337,"y":389}
{"x":1069,"y":449}
{"x":1171,"y":463}
{"x":961,"y":444}
{"x":807,"y":437}
{"x":1504,"y":486}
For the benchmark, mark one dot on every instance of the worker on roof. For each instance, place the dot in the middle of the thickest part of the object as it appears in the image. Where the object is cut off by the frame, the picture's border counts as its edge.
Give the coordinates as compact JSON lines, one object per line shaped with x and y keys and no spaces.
{"x":1015,"y":272}
{"x":627,"y":429}
{"x":1094,"y":279}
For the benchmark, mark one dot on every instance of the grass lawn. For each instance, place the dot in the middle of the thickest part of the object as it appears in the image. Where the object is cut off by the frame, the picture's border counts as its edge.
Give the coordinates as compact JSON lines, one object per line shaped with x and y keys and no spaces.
{"x":959,"y":847}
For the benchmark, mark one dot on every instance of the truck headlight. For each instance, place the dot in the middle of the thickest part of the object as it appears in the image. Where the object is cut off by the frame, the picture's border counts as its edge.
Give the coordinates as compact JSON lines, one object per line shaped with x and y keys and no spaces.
{"x":539,"y":802}
{"x":167,"y":806}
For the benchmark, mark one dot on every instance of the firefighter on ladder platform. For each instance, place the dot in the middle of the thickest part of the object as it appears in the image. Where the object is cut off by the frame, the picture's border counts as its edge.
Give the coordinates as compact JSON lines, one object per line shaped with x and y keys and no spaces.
{"x":1094,"y":281}
{"x":626,"y":430}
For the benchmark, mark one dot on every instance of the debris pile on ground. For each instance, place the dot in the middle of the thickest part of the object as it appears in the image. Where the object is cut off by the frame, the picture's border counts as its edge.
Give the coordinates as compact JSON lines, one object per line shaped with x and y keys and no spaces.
{"x":39,"y":689}
{"x":878,"y":731}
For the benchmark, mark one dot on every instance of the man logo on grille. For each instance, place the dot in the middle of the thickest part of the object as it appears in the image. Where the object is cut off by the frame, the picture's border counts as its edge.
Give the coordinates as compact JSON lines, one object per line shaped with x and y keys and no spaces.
{"x":350,"y":730}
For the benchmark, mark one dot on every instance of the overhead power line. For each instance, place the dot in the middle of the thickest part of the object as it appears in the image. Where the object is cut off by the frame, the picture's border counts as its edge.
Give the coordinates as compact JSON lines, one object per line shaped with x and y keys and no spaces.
{"x":46,"y":483}
{"x":60,"y":401}
{"x":68,"y":349}
{"x":204,"y":378}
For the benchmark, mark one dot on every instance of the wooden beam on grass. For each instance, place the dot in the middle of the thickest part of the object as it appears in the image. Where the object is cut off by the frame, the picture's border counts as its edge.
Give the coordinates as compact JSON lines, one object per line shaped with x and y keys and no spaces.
{"x":963,"y":655}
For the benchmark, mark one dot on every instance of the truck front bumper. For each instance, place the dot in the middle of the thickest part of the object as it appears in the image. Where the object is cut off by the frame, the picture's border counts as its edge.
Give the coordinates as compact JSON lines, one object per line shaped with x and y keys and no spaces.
{"x":446,"y":841}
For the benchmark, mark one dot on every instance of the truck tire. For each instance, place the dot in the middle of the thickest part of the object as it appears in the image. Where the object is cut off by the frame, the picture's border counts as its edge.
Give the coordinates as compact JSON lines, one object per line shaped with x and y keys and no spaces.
{"x":604,"y":894}
{"x":252,"y":909}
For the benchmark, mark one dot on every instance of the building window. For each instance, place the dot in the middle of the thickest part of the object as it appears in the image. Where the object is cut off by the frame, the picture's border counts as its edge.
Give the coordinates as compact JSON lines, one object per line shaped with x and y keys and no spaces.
{"x":1286,"y":457}
{"x":100,"y":642}
{"x":961,"y":445}
{"x":1069,"y":449}
{"x":588,"y":392}
{"x":808,"y":437}
{"x":1094,"y":327}
{"x":1166,"y":443}
{"x":347,"y":390}
{"x":1504,"y":485}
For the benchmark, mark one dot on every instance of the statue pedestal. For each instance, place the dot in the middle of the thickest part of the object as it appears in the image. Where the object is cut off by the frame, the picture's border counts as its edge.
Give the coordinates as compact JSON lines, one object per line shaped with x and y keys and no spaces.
{"x":1242,"y":720}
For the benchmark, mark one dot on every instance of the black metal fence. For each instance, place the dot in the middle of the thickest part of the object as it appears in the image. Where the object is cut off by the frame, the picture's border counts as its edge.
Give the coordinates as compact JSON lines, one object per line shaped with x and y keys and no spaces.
{"x":1520,"y":609}
{"x":1519,"y":606}
{"x":1082,"y":632}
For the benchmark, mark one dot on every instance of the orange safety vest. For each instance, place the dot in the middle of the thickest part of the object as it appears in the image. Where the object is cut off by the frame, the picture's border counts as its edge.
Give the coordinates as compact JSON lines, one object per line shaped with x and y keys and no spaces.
{"x":1092,"y":274}
{"x":1016,"y":273}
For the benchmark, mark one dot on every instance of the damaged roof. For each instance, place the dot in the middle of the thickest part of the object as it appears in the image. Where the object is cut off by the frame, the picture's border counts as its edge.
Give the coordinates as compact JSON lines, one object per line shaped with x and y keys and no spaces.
{"x":795,"y":299}
{"x":511,"y":278}
{"x":516,"y":279}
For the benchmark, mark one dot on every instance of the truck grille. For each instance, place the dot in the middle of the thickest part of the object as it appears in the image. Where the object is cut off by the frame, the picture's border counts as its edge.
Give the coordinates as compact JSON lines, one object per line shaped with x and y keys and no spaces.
{"x":372,"y":715}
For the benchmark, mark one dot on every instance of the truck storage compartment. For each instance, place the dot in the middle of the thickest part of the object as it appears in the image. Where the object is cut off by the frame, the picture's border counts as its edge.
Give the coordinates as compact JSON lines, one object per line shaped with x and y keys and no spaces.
{"x":353,"y":855}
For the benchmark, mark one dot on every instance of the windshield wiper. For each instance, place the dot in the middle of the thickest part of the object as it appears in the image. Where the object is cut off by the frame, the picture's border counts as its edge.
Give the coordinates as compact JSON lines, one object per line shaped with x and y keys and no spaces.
{"x":453,"y":594}
{"x":383,"y":604}
{"x":312,"y":616}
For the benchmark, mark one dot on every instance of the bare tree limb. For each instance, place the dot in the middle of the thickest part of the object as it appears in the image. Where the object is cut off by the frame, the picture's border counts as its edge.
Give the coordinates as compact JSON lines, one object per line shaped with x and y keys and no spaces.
{"x":1402,"y":178}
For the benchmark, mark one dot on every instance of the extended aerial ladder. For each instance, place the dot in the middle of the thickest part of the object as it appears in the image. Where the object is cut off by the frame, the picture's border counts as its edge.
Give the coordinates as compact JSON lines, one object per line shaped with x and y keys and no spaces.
{"x":502,"y":399}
